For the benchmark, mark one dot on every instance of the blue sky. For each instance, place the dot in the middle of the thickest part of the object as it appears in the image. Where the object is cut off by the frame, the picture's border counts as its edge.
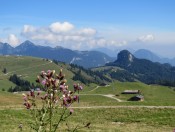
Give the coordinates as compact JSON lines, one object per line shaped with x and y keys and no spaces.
{"x":89,"y":24}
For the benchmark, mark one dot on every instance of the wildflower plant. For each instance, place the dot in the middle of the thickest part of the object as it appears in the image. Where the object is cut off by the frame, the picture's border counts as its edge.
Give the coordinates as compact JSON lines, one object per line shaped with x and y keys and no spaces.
{"x":53,"y":106}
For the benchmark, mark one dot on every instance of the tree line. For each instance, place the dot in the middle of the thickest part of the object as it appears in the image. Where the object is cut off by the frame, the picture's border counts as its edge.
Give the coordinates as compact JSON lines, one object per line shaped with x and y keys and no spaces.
{"x":21,"y":84}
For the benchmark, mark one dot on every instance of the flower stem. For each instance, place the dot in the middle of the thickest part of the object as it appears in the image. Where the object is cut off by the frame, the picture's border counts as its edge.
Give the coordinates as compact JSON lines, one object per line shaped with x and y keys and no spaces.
{"x":50,"y":113}
{"x":61,"y":118}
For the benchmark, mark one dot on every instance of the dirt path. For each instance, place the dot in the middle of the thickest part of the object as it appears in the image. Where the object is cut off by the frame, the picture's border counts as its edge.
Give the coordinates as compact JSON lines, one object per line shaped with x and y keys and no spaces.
{"x":106,"y":107}
{"x":97,"y":107}
{"x":94,"y":89}
{"x":97,"y":88}
{"x":111,"y":96}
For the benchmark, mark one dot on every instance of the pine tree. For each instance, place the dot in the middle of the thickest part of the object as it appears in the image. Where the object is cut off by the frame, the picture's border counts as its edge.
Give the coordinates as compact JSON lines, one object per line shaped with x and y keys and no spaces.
{"x":4,"y":70}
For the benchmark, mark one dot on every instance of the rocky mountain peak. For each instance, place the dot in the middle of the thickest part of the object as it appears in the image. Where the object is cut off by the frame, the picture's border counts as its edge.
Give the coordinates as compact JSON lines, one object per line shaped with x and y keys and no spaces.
{"x":125,"y":56}
{"x":25,"y":45}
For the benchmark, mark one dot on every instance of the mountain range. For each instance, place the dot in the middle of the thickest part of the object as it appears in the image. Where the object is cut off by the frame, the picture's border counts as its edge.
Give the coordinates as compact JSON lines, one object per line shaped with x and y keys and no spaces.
{"x":86,"y":59}
{"x":146,"y":54}
{"x":134,"y":69}
{"x":141,"y":53}
{"x":125,"y":67}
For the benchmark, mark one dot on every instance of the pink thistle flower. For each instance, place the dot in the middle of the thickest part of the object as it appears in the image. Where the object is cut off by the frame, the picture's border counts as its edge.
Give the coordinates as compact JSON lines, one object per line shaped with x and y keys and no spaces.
{"x":69,"y":100}
{"x":43,"y":82}
{"x":27,"y":105}
{"x":62,"y":87}
{"x":75,"y":98}
{"x":65,"y":91}
{"x":25,"y":98}
{"x":48,"y":71}
{"x":75,"y":87}
{"x":71,"y":111}
{"x":32,"y":93}
{"x":38,"y":93}
{"x":80,"y":88}
{"x":64,"y":101}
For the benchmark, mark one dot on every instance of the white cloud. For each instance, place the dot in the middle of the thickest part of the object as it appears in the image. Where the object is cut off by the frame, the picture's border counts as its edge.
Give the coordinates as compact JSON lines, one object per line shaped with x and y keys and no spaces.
{"x":146,"y":38}
{"x":13,"y":40}
{"x":28,"y":28}
{"x":67,"y":35}
{"x":58,"y":27}
{"x":101,"y":42}
{"x":87,"y":31}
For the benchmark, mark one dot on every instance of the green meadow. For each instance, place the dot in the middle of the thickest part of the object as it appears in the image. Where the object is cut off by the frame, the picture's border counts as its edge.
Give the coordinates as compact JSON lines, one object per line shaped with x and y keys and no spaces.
{"x":105,"y":120}
{"x":93,"y":101}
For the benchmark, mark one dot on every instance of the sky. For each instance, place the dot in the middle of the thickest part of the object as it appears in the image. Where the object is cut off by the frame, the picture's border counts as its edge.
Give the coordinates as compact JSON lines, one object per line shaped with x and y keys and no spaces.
{"x":91,"y":24}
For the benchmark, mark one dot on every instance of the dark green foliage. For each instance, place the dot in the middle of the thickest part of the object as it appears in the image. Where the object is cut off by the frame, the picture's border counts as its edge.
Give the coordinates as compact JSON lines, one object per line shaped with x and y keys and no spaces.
{"x":144,"y":70}
{"x":79,"y":77}
{"x":3,"y":89}
{"x":4,"y":70}
{"x":122,"y":76}
{"x":84,"y":75}
{"x":58,"y":62}
{"x":96,"y":76}
{"x":22,"y":85}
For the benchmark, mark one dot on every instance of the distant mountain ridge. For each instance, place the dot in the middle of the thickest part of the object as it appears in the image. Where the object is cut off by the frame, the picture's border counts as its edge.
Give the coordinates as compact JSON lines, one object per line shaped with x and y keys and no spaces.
{"x":5,"y":48}
{"x":86,"y":59}
{"x":146,"y":54}
{"x":143,"y":70}
{"x":111,"y":53}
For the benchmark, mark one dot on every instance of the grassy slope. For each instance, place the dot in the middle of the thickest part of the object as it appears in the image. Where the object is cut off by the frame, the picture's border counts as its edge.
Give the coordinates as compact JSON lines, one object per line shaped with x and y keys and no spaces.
{"x":28,"y":68}
{"x":105,"y":120}
{"x":121,"y":119}
{"x":154,"y":95}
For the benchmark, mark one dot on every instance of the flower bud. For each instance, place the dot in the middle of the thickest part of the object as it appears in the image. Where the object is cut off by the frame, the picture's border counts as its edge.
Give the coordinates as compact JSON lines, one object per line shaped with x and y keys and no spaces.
{"x":38,"y":79}
{"x":63,"y":81}
{"x":71,"y":111}
{"x":75,"y":98}
{"x":32,"y":93}
{"x":38,"y":93}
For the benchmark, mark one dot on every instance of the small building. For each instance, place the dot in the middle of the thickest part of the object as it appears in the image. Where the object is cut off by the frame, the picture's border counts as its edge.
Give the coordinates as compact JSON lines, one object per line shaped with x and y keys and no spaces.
{"x":131,"y":92}
{"x":37,"y":89}
{"x":103,"y":84}
{"x":137,"y":98}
